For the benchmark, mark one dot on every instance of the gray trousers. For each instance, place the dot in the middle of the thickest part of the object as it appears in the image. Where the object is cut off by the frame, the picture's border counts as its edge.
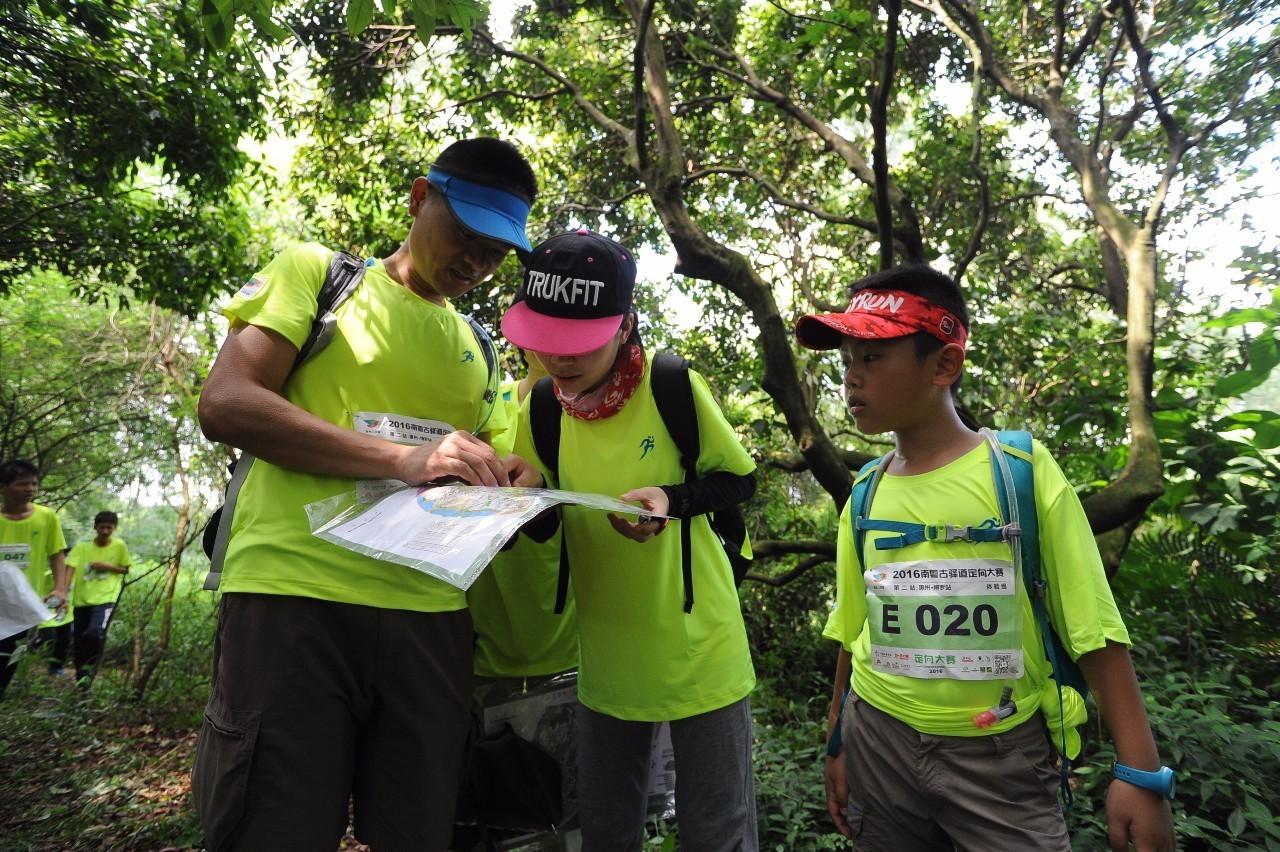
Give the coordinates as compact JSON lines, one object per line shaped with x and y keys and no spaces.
{"x":715,"y":789}
{"x":912,"y":792}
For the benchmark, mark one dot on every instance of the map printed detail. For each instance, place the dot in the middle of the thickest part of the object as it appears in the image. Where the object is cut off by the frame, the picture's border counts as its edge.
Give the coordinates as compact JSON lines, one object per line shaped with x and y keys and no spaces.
{"x":450,"y":532}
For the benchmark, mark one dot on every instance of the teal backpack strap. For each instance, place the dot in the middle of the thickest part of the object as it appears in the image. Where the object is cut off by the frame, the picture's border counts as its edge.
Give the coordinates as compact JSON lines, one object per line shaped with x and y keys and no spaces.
{"x":864,"y":487}
{"x":1012,"y":469}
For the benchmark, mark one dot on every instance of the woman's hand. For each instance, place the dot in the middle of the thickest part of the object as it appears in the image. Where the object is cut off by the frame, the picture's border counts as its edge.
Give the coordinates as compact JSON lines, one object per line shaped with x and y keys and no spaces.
{"x":654,"y":501}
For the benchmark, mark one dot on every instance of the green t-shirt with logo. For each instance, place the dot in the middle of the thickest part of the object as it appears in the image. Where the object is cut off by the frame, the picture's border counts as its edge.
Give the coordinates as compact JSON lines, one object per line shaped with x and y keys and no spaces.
{"x":937,"y":649}
{"x":28,"y":544}
{"x":518,"y":633}
{"x":396,"y":362}
{"x":97,"y":587}
{"x":642,"y":657}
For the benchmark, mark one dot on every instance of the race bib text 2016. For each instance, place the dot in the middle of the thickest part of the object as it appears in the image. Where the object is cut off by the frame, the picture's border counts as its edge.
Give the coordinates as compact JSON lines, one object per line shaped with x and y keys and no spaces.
{"x":957,"y":619}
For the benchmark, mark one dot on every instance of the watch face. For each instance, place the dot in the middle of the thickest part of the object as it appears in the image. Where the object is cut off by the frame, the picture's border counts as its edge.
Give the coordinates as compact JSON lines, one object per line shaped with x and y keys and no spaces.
{"x":1173,"y":784}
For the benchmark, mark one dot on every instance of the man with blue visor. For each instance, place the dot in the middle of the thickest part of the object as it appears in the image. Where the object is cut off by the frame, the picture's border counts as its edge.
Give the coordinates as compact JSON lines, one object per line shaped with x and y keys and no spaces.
{"x":339,"y":679}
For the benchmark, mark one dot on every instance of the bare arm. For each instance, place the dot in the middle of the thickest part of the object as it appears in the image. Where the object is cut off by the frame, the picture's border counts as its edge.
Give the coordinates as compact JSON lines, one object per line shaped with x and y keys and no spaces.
{"x":1132,"y":813}
{"x":61,"y":574}
{"x":835,"y":778}
{"x":241,"y":405}
{"x":109,"y":568}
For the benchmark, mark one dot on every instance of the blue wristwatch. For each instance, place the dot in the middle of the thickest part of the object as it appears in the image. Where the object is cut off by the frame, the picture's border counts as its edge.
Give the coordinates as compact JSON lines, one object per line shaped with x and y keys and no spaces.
{"x":1161,"y":782}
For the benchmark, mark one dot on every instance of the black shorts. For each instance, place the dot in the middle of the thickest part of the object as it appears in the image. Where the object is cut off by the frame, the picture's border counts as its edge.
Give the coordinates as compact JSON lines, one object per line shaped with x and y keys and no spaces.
{"x":314,"y":703}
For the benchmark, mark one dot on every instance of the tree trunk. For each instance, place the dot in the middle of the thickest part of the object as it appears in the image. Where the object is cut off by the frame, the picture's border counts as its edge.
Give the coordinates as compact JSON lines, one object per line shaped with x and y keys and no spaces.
{"x":171,"y":581}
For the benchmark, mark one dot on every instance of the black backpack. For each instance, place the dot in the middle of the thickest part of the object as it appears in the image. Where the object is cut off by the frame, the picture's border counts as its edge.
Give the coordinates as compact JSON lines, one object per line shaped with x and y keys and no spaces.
{"x":674,"y":395}
{"x":344,"y":275}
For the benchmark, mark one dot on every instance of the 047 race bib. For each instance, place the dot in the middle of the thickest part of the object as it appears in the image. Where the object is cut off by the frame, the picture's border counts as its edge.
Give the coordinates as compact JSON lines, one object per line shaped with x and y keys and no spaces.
{"x":403,"y":430}
{"x":17,"y":555}
{"x":957,"y":618}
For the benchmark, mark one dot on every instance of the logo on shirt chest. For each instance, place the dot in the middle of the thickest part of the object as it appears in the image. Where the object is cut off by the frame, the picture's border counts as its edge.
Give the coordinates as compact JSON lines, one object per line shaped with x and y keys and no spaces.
{"x":646,"y":445}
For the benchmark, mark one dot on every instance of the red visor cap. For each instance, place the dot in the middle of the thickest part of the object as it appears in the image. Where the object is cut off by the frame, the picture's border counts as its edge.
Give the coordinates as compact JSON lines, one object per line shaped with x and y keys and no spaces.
{"x":881,"y":315}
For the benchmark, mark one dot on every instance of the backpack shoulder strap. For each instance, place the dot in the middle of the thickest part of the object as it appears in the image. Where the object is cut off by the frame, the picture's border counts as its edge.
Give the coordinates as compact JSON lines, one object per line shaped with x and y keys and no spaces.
{"x":1016,"y":446}
{"x":673,"y":393}
{"x":860,"y":502}
{"x":544,"y":423}
{"x":345,"y":273}
{"x":490,"y":354}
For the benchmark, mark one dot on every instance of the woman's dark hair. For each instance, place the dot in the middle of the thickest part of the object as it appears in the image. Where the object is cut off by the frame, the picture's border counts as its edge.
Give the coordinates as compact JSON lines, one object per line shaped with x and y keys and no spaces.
{"x":107,"y":518}
{"x":15,"y":469}
{"x":493,"y":162}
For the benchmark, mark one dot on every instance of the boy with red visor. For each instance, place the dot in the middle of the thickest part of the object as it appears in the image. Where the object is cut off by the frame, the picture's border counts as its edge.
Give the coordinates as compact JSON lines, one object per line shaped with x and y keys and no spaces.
{"x":916,"y":763}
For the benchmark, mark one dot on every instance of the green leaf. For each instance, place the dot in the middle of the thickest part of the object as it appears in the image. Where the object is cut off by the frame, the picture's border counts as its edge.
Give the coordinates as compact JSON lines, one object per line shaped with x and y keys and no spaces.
{"x":359,"y":14}
{"x":1235,"y":822}
{"x":389,"y":8}
{"x":1240,"y":316}
{"x":424,"y":19}
{"x":268,"y":28}
{"x":1238,"y":383}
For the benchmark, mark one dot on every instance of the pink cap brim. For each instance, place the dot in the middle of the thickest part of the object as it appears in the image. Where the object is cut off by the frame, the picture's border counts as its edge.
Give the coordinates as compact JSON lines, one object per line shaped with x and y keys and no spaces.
{"x":537,"y":332}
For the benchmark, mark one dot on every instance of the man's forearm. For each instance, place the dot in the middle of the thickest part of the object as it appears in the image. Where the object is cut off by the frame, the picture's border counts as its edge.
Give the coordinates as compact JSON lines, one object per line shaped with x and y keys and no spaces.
{"x":1110,"y":675}
{"x":61,"y":574}
{"x":266,"y":424}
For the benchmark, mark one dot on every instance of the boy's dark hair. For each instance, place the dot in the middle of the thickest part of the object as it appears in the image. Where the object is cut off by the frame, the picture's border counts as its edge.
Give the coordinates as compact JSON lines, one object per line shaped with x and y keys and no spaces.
{"x":14,"y":469}
{"x":493,"y":162}
{"x":106,"y":518}
{"x":928,"y":283}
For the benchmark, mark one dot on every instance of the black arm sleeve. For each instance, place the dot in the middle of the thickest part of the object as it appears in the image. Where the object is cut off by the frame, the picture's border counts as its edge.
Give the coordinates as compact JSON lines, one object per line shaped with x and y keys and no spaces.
{"x":717,"y":490}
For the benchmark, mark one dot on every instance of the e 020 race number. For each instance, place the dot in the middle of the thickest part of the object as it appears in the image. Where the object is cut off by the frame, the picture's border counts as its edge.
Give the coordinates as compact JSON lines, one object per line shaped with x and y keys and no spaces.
{"x":929,"y":621}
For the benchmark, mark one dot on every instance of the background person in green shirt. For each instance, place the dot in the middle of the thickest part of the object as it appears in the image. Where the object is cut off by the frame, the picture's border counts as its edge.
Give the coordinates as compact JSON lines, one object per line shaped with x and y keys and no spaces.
{"x":338,"y":676}
{"x":31,"y":539}
{"x":645,"y":659}
{"x":520,"y":639}
{"x":99,"y":566}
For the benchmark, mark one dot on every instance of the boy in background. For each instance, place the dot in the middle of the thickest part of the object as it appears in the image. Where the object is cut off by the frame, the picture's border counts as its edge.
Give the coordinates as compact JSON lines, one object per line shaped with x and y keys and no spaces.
{"x":31,"y":540}
{"x":920,"y":766}
{"x":99,"y":566}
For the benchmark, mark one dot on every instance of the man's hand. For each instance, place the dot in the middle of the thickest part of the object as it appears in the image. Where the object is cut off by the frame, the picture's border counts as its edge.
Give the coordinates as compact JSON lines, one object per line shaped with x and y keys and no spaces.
{"x":837,"y":792}
{"x":654,"y":500}
{"x":460,"y":454}
{"x":521,"y":472}
{"x":1140,"y":816}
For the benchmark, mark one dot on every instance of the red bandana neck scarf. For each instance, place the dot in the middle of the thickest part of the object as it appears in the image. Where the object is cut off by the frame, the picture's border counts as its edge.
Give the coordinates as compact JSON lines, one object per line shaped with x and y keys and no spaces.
{"x":608,"y":399}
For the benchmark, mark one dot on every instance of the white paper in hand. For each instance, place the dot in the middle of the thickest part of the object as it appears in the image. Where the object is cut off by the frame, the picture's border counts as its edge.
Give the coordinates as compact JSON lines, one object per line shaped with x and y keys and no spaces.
{"x":450,"y":532}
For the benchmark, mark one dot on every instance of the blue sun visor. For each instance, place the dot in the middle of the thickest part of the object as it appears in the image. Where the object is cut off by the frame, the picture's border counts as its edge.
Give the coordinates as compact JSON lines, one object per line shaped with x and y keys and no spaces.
{"x":489,"y":211}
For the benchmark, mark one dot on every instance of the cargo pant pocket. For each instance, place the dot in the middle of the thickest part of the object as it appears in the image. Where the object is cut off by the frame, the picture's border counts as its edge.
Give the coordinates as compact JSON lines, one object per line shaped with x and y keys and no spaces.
{"x":220,"y":779}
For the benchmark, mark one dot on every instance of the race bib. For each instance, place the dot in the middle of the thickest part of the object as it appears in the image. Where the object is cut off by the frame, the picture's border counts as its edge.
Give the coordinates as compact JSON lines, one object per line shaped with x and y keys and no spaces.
{"x":17,"y":555}
{"x":958,"y":619}
{"x":400,"y":429}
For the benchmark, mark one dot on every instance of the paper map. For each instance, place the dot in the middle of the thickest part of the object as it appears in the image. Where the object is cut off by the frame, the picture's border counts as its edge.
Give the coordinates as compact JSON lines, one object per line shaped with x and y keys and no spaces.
{"x":450,"y":532}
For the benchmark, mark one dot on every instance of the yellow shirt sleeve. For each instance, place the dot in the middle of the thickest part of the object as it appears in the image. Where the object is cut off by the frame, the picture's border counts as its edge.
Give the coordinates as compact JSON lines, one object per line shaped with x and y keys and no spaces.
{"x":282,"y":296}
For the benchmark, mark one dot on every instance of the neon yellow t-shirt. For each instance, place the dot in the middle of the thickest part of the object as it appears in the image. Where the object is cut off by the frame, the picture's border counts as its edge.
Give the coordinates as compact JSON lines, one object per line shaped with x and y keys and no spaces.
{"x":643,"y":658}
{"x":1080,"y":603}
{"x":518,"y":633}
{"x":395,"y":355}
{"x":28,"y":544}
{"x":97,"y":587}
